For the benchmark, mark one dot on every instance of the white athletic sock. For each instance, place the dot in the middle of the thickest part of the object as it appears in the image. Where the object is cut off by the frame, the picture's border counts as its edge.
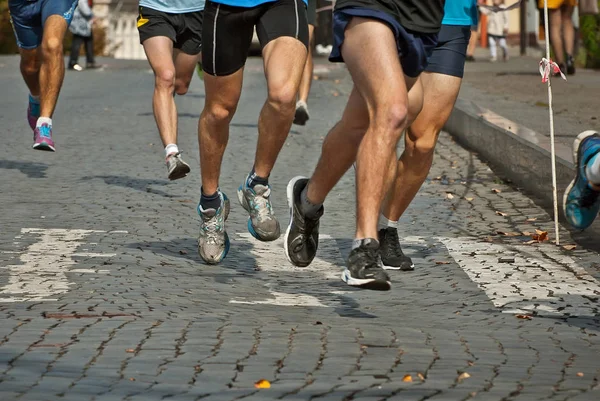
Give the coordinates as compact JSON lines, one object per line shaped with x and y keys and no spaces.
{"x":592,"y":170}
{"x":43,"y":120}
{"x":384,"y":223}
{"x":35,"y":98}
{"x":171,"y":148}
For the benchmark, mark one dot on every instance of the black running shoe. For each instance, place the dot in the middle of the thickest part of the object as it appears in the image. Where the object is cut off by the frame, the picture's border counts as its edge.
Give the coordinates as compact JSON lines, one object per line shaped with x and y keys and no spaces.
{"x":363,"y":269}
{"x":570,"y":65}
{"x":392,"y":256}
{"x":302,"y":235}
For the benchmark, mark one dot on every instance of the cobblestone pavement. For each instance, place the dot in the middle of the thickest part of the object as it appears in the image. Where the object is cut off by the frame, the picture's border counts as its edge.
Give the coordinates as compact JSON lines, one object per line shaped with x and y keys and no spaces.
{"x":103,"y":296}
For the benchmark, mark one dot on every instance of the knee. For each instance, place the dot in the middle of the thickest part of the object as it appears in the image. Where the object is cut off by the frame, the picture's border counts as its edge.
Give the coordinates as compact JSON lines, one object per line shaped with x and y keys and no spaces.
{"x":181,"y":86}
{"x":283,"y":97}
{"x":165,"y":79}
{"x":218,"y":113}
{"x":30,"y":65}
{"x":392,"y":120}
{"x":423,"y":140}
{"x":52,"y":46}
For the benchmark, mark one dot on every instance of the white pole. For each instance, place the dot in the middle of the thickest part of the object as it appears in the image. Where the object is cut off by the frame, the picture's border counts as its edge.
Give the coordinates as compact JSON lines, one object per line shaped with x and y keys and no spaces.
{"x":552,"y":151}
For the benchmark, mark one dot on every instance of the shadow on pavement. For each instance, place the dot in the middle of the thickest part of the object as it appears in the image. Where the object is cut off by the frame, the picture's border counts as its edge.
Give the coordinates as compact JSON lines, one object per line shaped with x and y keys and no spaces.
{"x":138,"y":184}
{"x":31,"y":169}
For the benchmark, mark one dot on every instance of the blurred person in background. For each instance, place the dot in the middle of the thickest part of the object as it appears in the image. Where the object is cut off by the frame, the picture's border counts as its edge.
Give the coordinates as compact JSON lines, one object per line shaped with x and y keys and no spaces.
{"x":81,"y":28}
{"x":562,"y":32}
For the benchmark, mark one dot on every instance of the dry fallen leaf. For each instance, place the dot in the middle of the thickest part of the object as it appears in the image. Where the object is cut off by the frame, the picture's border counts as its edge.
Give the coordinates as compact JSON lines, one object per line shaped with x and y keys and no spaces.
{"x":130,"y":350}
{"x":469,"y":199}
{"x":540,"y":235}
{"x":463,"y":376}
{"x":532,"y":219}
{"x":262,"y":383}
{"x":421,"y":377}
{"x":470,"y":363}
{"x":569,"y":247}
{"x":449,"y":196}
{"x":442,"y":262}
{"x":501,"y":214}
{"x":525,"y":317}
{"x":496,"y":191}
{"x":132,"y":379}
{"x":407,"y":379}
{"x":530,"y":242}
{"x":580,"y":374}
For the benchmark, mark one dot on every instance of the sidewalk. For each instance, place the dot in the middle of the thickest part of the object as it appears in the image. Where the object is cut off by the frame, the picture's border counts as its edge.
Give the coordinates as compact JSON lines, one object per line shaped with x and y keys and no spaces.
{"x":502,"y":113}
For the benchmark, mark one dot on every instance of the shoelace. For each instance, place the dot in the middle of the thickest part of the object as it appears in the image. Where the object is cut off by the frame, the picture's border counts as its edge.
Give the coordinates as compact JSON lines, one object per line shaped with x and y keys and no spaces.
{"x":211,"y":227}
{"x":44,"y":131}
{"x":368,"y":258}
{"x":394,"y":239}
{"x":260,"y":203}
{"x":588,"y":197}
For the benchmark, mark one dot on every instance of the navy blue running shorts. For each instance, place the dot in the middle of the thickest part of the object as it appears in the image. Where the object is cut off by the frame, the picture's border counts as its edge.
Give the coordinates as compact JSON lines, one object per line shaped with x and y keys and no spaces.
{"x":29,"y":16}
{"x":448,"y":57}
{"x":414,"y":48}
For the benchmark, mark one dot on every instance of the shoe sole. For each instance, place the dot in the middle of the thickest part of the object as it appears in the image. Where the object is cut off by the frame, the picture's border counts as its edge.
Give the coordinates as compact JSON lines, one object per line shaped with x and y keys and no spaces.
{"x":181,"y":170}
{"x":367,"y":284}
{"x":44,"y":146}
{"x":301,"y":117}
{"x":576,"y":159}
{"x":290,"y":198}
{"x":251,"y":230}
{"x":386,"y":267}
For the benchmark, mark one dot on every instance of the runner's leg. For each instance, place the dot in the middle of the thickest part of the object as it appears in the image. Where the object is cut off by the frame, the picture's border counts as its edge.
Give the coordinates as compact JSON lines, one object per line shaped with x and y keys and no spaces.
{"x":159,"y":50}
{"x":52,"y":71}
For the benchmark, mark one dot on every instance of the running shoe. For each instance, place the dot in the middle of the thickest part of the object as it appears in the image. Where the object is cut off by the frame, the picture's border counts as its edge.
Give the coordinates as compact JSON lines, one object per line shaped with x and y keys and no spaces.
{"x":213,"y":242}
{"x":392,"y":256}
{"x":75,"y":67}
{"x":363,"y":268}
{"x":581,"y":203}
{"x":262,"y":223}
{"x":33,"y":112}
{"x":301,"y":116}
{"x":570,"y":65}
{"x":176,"y":167}
{"x":302,"y":235}
{"x":42,"y":138}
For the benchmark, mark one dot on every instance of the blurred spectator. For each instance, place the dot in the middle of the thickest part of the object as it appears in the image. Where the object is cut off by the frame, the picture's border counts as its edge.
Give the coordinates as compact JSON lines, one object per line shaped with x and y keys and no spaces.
{"x":497,"y":29}
{"x":81,"y":27}
{"x":562,"y":33}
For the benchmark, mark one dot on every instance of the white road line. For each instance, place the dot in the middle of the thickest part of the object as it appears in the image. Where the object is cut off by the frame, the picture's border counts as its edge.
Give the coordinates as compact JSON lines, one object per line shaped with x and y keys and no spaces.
{"x":270,"y":257}
{"x":44,"y":264}
{"x":541,"y":279}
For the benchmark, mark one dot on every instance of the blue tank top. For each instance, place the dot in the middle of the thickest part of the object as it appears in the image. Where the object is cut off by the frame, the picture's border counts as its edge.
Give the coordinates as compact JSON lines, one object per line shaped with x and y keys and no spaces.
{"x":460,"y":12}
{"x":174,"y":6}
{"x":248,"y":3}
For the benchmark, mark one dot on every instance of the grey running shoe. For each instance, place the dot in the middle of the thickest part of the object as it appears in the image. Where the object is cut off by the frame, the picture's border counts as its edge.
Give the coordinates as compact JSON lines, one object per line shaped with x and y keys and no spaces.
{"x":301,"y":116}
{"x":262,"y":223}
{"x":363,"y":268}
{"x":176,"y":167}
{"x":213,"y":242}
{"x":302,"y":235}
{"x":391,"y":253}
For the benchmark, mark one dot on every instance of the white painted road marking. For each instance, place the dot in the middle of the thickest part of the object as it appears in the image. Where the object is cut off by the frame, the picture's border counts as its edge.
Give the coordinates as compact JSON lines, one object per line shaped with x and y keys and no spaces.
{"x":270,"y":257}
{"x":541,"y":279}
{"x":42,"y":274}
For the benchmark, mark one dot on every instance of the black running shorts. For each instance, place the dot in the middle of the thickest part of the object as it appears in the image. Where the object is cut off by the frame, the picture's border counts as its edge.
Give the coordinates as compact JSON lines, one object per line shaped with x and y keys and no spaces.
{"x":311,"y":12}
{"x":228,"y":31}
{"x":185,"y":30}
{"x":450,"y":53}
